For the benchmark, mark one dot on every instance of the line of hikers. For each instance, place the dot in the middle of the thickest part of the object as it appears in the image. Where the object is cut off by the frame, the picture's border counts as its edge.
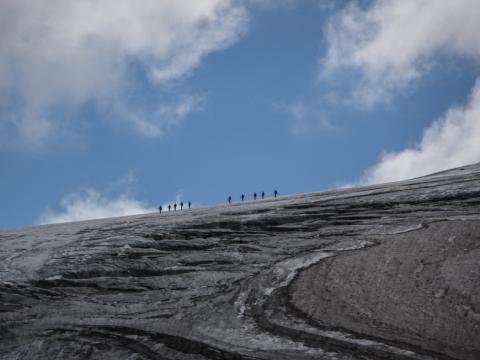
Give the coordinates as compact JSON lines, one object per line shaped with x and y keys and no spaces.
{"x":242,"y":197}
{"x":169,"y":207}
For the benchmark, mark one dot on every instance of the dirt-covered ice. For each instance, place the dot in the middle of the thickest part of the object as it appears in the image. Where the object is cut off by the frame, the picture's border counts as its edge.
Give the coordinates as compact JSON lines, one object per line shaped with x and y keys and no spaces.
{"x":379,"y":272}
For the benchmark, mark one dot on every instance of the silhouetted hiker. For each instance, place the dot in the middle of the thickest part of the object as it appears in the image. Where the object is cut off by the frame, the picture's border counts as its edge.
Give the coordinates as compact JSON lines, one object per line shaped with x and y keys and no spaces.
{"x":243,"y":197}
{"x":189,"y":204}
{"x":275,"y":193}
{"x":175,"y":207}
{"x":263,"y":194}
{"x":169,"y":207}
{"x":181,"y":205}
{"x":160,"y":209}
{"x":255,"y":196}
{"x":229,"y":199}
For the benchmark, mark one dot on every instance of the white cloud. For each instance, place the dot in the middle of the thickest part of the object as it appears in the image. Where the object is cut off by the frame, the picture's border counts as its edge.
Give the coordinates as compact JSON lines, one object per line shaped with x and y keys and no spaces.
{"x":59,"y":54}
{"x":392,"y":43}
{"x":389,"y":45}
{"x":90,"y":204}
{"x":115,"y":200}
{"x":450,"y":142}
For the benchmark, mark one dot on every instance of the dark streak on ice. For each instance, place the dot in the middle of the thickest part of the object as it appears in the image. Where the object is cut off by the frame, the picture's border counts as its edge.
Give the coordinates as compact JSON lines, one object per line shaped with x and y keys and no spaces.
{"x":379,"y":272}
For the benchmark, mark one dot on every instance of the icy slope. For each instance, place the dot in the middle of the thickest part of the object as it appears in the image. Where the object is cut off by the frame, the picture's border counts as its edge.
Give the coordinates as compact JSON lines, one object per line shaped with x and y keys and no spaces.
{"x":379,"y":272}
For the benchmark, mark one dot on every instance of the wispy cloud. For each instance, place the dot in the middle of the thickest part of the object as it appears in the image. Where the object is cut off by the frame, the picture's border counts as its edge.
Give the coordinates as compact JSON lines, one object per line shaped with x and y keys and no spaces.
{"x":116,"y":199}
{"x":305,"y":116}
{"x":155,"y":123}
{"x":57,"y":56}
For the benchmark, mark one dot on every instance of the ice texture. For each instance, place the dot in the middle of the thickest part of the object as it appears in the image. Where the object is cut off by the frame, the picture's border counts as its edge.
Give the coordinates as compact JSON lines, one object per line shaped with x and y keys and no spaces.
{"x":388,"y":271}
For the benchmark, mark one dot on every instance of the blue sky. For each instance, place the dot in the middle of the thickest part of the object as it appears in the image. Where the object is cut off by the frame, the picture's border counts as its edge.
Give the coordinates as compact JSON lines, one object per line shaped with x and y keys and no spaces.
{"x":110,"y":110}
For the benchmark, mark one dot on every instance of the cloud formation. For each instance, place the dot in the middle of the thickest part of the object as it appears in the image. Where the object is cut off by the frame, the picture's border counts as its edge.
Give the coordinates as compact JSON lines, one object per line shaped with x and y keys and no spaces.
{"x":56,"y":56}
{"x":451,"y":141}
{"x":90,"y":204}
{"x":393,"y":43}
{"x":117,"y":199}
